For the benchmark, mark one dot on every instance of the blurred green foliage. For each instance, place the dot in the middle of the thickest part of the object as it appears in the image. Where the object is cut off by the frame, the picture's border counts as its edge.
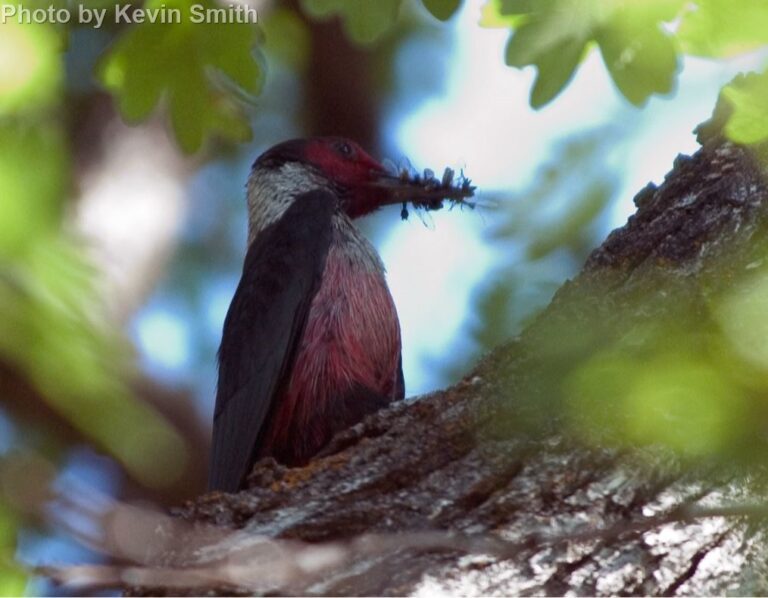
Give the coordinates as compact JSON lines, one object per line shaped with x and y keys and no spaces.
{"x":741,"y":315}
{"x":191,"y":64}
{"x":51,"y":320}
{"x":639,"y":360}
{"x":679,"y":378}
{"x":723,"y":28}
{"x":748,"y":97}
{"x":287,"y":39}
{"x":35,"y":207}
{"x":657,"y":392}
{"x":641,"y":44}
{"x":53,"y":330}
{"x":33,"y":79}
{"x":555,"y":35}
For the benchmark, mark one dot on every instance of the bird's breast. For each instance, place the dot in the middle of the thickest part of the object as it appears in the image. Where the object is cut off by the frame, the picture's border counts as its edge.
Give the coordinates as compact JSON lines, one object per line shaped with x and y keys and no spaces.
{"x":348,"y":360}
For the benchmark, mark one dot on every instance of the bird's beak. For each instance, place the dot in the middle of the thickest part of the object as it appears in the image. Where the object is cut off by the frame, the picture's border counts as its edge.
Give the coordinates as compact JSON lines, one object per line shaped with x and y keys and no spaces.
{"x":392,"y":189}
{"x":419,"y":191}
{"x":382,"y":188}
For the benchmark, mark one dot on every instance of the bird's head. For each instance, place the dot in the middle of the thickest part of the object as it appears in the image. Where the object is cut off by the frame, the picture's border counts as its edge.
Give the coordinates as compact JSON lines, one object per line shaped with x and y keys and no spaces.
{"x":337,"y":164}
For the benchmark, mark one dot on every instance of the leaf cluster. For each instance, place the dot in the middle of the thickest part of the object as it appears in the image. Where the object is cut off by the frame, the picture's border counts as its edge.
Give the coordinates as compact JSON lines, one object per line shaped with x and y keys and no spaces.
{"x":201,"y":69}
{"x":642,"y":45}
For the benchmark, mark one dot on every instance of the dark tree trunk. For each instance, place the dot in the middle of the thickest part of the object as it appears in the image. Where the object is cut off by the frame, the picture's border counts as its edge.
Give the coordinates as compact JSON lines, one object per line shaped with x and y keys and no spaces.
{"x":499,"y":465}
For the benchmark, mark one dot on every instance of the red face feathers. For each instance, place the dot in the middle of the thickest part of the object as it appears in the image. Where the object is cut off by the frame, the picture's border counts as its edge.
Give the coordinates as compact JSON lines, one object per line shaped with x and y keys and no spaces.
{"x":361,"y":181}
{"x":349,"y":167}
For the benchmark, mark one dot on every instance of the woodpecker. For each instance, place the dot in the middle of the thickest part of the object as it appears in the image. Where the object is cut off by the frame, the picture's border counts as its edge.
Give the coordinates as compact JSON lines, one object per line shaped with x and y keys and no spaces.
{"x":311,"y":341}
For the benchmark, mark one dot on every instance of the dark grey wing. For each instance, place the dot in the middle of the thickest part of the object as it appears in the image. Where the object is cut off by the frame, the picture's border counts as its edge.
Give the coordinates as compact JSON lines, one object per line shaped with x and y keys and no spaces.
{"x":264,"y":324}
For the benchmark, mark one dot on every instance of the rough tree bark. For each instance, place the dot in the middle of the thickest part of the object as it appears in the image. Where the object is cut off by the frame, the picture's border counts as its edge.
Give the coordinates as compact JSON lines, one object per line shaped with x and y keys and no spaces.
{"x":490,"y":458}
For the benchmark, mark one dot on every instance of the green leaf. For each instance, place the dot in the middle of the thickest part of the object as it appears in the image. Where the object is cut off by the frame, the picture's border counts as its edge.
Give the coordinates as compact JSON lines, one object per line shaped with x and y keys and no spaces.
{"x":229,"y":48}
{"x":556,"y":69}
{"x":641,"y":60}
{"x":365,"y":21}
{"x":202,"y":68}
{"x":554,"y":52}
{"x":748,"y":122}
{"x":554,"y":35}
{"x":722,"y":28}
{"x":553,"y":38}
{"x":442,"y":9}
{"x":543,"y":34}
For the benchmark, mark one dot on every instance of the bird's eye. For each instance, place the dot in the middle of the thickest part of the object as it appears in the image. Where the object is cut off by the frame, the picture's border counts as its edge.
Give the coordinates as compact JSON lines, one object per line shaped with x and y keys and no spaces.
{"x":345,"y":149}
